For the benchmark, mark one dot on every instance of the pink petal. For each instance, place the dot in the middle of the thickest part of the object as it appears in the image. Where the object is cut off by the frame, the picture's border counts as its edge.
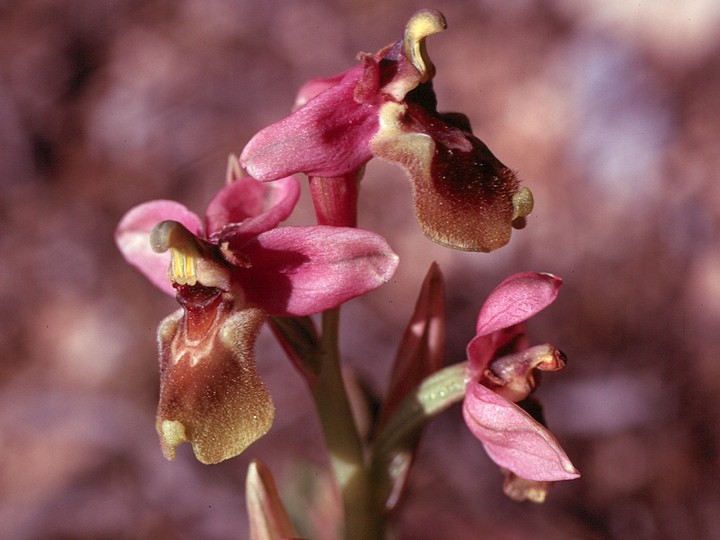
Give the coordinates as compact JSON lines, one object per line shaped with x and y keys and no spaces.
{"x":132,"y":237}
{"x":315,"y":87}
{"x":254,"y":206}
{"x":517,"y":299}
{"x":327,"y":137}
{"x":483,"y":348}
{"x":513,"y":439}
{"x":305,"y":270}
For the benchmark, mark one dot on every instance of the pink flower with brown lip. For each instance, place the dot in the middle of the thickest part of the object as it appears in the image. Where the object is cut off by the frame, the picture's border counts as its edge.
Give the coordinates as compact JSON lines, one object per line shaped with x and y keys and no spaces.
{"x":464,"y":197}
{"x":229,"y":272}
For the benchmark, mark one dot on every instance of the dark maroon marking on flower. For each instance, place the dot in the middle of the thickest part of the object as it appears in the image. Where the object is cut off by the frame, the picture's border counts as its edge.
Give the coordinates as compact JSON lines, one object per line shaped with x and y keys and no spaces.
{"x":201,"y":308}
{"x":472,"y":177}
{"x":463,"y":169}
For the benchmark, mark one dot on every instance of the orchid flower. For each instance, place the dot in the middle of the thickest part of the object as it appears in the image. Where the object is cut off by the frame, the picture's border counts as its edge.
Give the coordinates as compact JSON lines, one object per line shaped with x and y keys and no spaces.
{"x":500,"y":375}
{"x":464,"y":197}
{"x":494,"y":385}
{"x":229,"y":272}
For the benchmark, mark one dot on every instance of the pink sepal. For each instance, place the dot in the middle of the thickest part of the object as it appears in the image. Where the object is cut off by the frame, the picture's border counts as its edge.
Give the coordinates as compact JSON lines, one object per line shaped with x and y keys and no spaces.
{"x":328,"y":137}
{"x":502,"y":324}
{"x":132,"y":237}
{"x":516,"y":299}
{"x":305,"y":270}
{"x":250,"y":207}
{"x":315,"y":87}
{"x":513,"y":439}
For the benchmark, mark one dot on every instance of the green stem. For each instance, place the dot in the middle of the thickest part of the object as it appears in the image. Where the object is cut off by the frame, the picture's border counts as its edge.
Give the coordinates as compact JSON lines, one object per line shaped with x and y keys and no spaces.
{"x":435,"y":394}
{"x":347,"y":457}
{"x":393,"y":445}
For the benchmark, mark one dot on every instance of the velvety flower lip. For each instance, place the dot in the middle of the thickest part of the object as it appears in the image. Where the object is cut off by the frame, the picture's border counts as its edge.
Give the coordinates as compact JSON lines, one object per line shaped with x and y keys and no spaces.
{"x":211,"y":394}
{"x":500,"y":374}
{"x":464,"y":197}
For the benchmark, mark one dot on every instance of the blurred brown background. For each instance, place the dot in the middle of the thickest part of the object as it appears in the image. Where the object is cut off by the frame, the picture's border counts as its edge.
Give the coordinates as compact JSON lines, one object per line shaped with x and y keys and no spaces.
{"x":607,"y":109}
